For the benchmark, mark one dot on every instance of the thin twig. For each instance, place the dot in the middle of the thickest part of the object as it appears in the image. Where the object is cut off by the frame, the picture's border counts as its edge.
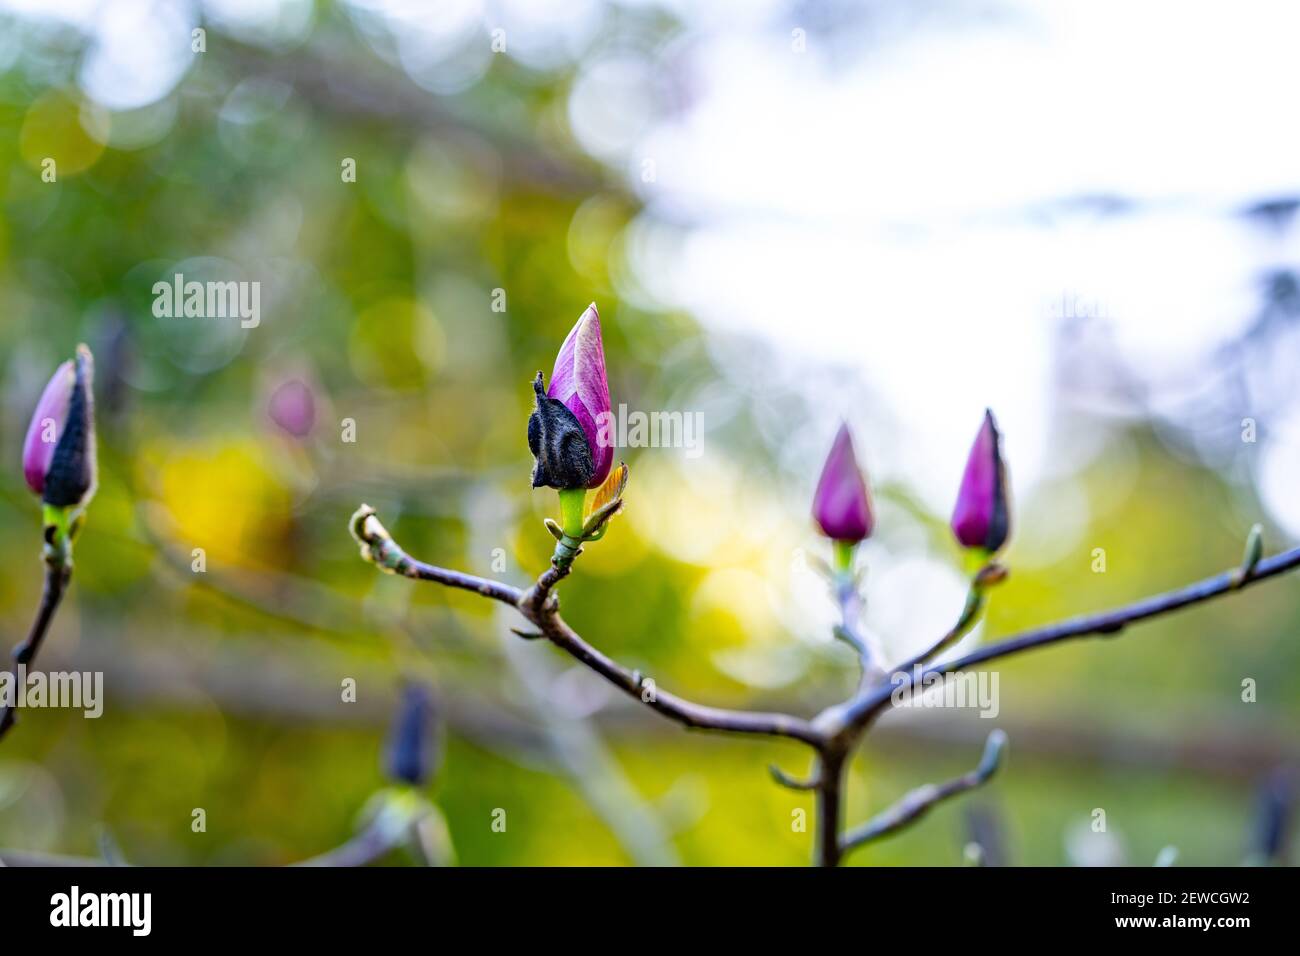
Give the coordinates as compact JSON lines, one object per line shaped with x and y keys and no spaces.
{"x":916,"y":803}
{"x":974,"y":604}
{"x":539,"y":606}
{"x":794,"y":783}
{"x":834,"y":731}
{"x":378,"y":547}
{"x":57,"y":577}
{"x":694,"y":716}
{"x":866,"y":706}
{"x":850,"y":631}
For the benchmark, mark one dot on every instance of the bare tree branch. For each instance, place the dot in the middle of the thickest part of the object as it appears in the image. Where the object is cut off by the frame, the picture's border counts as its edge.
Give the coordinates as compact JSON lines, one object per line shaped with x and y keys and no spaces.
{"x":537,"y":604}
{"x":832,"y":733}
{"x":866,"y":706}
{"x":917,"y":803}
{"x":849,"y":630}
{"x":378,"y":547}
{"x":969,"y":614}
{"x":830,"y":801}
{"x":694,"y":716}
{"x":58,"y":573}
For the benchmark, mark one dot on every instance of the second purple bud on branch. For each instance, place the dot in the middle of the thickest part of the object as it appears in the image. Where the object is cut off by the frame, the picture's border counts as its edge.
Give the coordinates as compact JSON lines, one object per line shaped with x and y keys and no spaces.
{"x":981,"y":518}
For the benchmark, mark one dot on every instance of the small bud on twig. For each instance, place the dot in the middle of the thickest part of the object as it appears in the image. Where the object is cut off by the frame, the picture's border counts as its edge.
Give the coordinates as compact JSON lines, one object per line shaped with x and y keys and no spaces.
{"x":982,"y":517}
{"x":842,"y":504}
{"x":564,"y":429}
{"x":59,"y":451}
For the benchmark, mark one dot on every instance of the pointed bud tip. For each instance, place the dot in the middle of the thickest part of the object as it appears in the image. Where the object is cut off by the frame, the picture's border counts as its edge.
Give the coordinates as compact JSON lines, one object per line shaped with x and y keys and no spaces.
{"x":579,"y":381}
{"x":842,"y":503}
{"x":72,"y":474}
{"x":981,"y":517}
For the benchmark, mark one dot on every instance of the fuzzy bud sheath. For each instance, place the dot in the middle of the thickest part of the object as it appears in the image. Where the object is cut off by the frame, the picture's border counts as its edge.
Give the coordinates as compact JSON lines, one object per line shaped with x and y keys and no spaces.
{"x":558,"y":443}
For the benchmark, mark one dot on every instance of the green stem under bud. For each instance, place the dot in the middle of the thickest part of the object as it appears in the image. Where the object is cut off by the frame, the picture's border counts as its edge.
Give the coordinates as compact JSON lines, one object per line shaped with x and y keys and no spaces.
{"x":573,"y":501}
{"x":974,"y":559}
{"x":843,"y":555}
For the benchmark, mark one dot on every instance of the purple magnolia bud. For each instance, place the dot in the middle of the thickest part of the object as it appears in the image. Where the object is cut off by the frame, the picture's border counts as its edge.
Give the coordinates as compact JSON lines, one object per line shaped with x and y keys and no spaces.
{"x":71,"y":475}
{"x":292,"y":406}
{"x":842,"y":505}
{"x":982,"y":518}
{"x":579,"y":383}
{"x":47,"y":425}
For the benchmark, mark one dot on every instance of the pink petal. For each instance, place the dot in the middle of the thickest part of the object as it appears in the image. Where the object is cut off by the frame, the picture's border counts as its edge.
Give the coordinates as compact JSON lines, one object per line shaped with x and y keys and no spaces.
{"x":579,"y":381}
{"x":47,"y":426}
{"x":842,"y":505}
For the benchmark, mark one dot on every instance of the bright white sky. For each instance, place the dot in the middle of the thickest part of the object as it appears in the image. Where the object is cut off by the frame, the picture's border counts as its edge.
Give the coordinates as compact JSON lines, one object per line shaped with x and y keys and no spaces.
{"x":876,"y":214}
{"x":871,"y":207}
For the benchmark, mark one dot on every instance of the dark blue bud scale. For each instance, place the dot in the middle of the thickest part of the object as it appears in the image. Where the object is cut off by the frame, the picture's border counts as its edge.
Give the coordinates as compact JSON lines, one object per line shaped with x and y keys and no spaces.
{"x":558,"y":443}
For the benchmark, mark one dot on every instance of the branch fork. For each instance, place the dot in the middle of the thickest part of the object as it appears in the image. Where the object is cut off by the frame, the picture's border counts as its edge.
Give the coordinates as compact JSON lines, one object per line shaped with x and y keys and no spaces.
{"x":834,"y":732}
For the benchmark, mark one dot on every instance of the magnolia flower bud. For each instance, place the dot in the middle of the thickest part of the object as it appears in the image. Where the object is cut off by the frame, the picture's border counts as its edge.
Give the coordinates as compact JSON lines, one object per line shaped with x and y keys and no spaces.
{"x":842,"y":505}
{"x":59,"y":451}
{"x":292,"y":406}
{"x":982,"y":517}
{"x":411,"y":749}
{"x":580,"y":389}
